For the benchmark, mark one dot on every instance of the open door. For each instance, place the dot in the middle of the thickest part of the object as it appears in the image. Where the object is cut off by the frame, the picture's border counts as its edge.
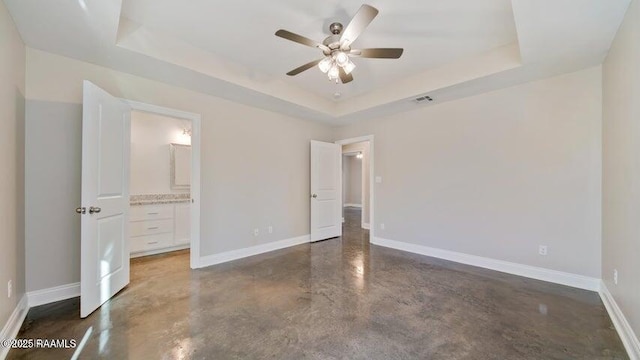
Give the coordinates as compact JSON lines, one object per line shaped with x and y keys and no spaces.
{"x":105,"y":197}
{"x":326,"y":190}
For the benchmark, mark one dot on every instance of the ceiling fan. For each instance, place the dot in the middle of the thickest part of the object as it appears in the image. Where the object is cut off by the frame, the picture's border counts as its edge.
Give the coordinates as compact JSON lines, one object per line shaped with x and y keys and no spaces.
{"x":337,"y":50}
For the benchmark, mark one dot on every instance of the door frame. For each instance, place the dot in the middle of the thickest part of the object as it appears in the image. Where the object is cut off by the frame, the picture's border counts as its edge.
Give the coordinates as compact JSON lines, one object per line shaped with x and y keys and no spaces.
{"x":195,"y":168}
{"x":370,"y":139}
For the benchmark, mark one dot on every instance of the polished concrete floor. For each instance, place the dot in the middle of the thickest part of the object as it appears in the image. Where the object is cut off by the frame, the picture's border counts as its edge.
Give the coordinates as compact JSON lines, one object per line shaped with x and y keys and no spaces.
{"x":336,"y":299}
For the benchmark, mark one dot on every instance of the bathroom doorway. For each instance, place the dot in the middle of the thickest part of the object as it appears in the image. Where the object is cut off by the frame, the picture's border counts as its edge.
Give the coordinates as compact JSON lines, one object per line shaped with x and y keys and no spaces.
{"x":164,"y":183}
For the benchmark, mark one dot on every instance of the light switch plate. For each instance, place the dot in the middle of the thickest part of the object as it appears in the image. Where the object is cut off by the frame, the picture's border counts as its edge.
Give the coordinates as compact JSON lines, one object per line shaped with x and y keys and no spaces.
{"x":378,"y":179}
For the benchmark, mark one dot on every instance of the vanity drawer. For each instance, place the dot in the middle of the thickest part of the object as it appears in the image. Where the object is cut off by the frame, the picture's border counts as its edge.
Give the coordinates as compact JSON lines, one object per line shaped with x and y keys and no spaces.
{"x":151,"y":227}
{"x":150,"y":242}
{"x":151,"y":212}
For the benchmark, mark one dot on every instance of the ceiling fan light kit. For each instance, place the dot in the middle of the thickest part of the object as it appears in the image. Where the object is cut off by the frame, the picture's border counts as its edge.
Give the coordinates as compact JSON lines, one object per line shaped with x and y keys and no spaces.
{"x":331,"y":65}
{"x":336,"y":48}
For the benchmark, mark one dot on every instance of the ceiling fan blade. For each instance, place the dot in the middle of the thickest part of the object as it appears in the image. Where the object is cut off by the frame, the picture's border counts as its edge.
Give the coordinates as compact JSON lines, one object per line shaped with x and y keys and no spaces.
{"x":304,"y":67}
{"x":300,"y":39}
{"x":380,"y":53}
{"x":360,"y":21}
{"x":344,"y":77}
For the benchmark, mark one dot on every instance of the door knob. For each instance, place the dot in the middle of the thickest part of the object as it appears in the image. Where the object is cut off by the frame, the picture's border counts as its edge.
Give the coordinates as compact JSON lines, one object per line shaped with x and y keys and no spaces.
{"x":94,"y":209}
{"x":314,"y":196}
{"x":81,"y":210}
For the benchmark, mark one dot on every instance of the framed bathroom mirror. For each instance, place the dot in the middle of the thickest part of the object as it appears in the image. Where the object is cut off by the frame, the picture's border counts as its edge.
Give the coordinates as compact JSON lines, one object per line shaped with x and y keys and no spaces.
{"x":180,"y":166}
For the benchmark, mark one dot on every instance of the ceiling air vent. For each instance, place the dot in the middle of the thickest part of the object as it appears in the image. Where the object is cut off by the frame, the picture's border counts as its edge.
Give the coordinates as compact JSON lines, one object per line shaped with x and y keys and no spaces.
{"x":423,"y":99}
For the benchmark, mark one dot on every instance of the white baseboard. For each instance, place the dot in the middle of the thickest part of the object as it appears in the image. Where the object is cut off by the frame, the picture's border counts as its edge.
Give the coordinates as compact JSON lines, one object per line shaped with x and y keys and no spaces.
{"x":13,"y":325}
{"x":627,"y":335}
{"x":57,"y":293}
{"x":353,"y":205}
{"x":251,"y":251}
{"x":538,"y":273}
{"x":159,"y":251}
{"x":366,"y":226}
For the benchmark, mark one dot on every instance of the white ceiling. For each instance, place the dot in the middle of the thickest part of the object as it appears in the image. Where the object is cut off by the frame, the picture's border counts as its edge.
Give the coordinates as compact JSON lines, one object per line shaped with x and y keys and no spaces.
{"x":452,"y":48}
{"x":433,"y":33}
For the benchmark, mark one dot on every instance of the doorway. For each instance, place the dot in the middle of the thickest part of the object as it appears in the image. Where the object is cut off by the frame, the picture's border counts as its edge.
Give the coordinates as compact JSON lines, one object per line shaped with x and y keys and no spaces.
{"x":105,"y":225}
{"x":160,"y":184}
{"x":357,"y":177}
{"x":170,"y":205}
{"x":354,"y":187}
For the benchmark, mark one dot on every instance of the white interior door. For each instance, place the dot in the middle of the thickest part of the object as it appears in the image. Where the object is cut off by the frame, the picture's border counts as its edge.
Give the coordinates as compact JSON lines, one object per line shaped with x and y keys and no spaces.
{"x":326,"y":190}
{"x":105,"y":197}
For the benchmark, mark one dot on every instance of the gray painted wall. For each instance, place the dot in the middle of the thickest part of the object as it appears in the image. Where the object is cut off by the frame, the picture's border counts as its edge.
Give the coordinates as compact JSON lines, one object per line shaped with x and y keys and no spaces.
{"x":53,"y":155}
{"x":12,"y":89}
{"x":353,"y":179}
{"x":621,"y":168}
{"x":498,"y":174}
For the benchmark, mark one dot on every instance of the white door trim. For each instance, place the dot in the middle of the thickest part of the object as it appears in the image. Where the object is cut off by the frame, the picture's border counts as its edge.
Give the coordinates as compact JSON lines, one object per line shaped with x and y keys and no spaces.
{"x":370,"y":139}
{"x":195,"y":168}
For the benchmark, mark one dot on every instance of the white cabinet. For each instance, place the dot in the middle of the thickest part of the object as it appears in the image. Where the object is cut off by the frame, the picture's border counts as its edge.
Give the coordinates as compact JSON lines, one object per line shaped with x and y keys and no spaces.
{"x":159,"y":228}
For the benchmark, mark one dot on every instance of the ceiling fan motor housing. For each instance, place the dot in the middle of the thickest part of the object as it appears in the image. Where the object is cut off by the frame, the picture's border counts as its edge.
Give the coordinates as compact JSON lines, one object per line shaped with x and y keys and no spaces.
{"x":335,"y":28}
{"x":333,"y":41}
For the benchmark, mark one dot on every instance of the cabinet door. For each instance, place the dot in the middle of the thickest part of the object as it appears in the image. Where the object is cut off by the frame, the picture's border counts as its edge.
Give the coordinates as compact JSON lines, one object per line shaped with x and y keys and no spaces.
{"x":151,"y":212}
{"x":182,"y":224}
{"x":151,"y":227}
{"x":151,"y":242}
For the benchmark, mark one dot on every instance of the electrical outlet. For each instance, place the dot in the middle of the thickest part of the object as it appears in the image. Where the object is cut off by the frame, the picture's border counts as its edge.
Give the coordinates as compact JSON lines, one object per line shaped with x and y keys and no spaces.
{"x":381,"y":226}
{"x":256,"y":232}
{"x":615,"y":276}
{"x":9,"y":288}
{"x":542,"y":250}
{"x":270,"y":229}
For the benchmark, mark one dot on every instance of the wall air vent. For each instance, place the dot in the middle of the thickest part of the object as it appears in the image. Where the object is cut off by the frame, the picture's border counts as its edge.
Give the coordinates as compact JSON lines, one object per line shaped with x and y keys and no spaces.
{"x":423,"y":99}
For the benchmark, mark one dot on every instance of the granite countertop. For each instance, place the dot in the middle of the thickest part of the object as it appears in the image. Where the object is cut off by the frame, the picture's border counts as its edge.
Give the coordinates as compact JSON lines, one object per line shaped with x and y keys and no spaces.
{"x":156,"y":199}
